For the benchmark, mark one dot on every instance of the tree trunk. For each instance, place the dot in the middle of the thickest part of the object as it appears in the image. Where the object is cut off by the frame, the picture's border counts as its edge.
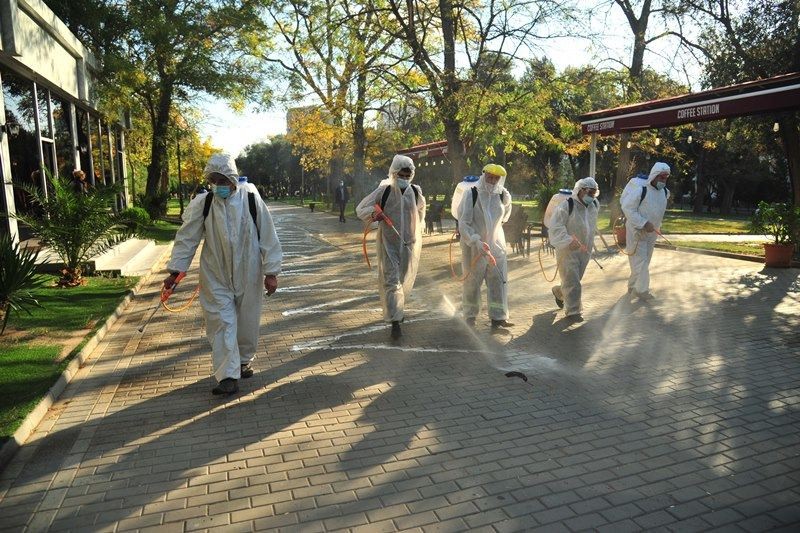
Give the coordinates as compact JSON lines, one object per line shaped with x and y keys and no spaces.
{"x":360,"y":138}
{"x":158,"y":146}
{"x":727,"y":199}
{"x":791,"y":145}
{"x":455,"y":149}
{"x":702,"y":186}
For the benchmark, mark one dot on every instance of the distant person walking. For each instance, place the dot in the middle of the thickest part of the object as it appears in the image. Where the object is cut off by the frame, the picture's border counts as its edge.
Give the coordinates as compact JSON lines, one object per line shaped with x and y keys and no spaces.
{"x":341,"y":196}
{"x":644,"y":202}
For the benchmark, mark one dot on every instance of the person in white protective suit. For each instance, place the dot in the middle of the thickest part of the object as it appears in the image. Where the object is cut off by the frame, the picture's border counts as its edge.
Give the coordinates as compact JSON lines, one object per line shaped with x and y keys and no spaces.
{"x":398,"y":256}
{"x":644,"y":202}
{"x":481,"y":215}
{"x":241,"y":258}
{"x":572,"y":228}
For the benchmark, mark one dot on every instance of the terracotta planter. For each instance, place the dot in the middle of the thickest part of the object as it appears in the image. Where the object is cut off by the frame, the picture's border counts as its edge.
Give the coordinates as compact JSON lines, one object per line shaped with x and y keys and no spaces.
{"x":619,"y":231}
{"x":778,"y":255}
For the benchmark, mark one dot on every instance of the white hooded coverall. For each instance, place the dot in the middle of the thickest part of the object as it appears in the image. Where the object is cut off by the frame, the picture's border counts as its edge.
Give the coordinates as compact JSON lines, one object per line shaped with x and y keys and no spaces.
{"x":638,"y":212}
{"x":572,"y":264}
{"x":233,"y":264}
{"x":478,"y":224}
{"x":397,"y":263}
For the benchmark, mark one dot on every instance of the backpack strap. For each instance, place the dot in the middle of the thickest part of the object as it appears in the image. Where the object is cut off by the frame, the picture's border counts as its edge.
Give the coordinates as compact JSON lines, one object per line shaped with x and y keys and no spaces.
{"x":251,"y":200}
{"x":571,"y":204}
{"x":475,"y":196}
{"x":207,"y":204}
{"x":385,"y":195}
{"x":644,"y":193}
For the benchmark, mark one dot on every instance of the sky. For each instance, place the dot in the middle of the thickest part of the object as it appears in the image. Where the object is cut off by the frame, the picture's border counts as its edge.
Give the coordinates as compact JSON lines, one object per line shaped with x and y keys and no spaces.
{"x":232,"y":131}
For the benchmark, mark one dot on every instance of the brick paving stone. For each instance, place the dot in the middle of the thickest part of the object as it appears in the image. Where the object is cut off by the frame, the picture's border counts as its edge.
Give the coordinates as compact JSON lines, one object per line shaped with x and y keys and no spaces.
{"x":615,"y":429}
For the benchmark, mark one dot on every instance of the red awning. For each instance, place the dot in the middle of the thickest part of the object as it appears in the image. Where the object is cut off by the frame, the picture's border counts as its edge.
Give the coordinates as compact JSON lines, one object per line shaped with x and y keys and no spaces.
{"x":420,"y":151}
{"x":779,"y":93}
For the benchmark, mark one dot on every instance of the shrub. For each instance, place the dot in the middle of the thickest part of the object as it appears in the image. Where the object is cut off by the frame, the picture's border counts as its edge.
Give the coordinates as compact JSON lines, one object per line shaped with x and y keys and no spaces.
{"x":17,"y":277}
{"x":156,"y":206}
{"x":135,"y":218}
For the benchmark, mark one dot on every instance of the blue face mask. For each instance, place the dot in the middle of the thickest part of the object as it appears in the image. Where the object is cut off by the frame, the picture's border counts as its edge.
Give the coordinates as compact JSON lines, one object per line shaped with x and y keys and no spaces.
{"x":223,"y":191}
{"x":660,"y":185}
{"x":402,"y":183}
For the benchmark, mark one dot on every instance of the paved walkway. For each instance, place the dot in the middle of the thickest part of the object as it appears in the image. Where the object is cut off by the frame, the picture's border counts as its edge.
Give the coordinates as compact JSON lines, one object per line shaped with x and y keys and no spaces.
{"x":683,"y":414}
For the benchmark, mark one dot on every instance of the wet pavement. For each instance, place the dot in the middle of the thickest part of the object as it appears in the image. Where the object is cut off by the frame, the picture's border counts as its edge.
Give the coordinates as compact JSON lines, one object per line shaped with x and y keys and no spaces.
{"x":679,"y":414}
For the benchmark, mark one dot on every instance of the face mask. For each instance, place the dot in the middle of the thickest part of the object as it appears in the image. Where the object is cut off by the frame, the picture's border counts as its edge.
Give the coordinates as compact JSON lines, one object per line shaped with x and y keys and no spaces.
{"x":660,"y":185}
{"x":223,"y":191}
{"x":403,"y":183}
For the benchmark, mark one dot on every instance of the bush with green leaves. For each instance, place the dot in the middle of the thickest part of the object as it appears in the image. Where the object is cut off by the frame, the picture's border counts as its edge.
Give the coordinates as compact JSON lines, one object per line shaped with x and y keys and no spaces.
{"x":781,"y":221}
{"x":17,"y":277}
{"x":156,"y":206}
{"x":135,"y":218}
{"x":74,"y":226}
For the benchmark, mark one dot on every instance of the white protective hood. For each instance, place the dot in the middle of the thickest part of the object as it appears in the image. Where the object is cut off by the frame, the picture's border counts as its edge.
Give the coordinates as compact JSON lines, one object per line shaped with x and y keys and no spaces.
{"x":223,"y":164}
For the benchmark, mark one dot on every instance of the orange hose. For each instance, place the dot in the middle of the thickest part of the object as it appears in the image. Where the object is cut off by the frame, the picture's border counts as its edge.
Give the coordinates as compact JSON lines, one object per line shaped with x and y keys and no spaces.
{"x":367,"y":228}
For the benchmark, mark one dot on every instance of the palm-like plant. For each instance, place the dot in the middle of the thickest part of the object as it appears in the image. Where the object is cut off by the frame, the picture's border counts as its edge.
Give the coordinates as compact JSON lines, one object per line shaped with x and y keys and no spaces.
{"x":77,"y":226}
{"x":17,"y":277}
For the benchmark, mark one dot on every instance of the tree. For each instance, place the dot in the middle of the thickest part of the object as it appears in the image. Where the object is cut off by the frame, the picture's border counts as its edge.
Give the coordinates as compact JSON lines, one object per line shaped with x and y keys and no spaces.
{"x":759,"y":39}
{"x":163,"y":51}
{"x":438,"y":35}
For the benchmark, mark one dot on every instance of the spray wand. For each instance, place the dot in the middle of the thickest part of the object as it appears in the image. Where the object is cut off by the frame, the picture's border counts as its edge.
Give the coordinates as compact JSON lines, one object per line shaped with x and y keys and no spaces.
{"x":389,"y":222}
{"x":165,"y":294}
{"x":662,"y":236}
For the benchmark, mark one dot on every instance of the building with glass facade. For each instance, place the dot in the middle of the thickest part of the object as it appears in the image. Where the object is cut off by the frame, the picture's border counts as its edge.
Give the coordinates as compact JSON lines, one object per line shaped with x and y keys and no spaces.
{"x":50,"y":121}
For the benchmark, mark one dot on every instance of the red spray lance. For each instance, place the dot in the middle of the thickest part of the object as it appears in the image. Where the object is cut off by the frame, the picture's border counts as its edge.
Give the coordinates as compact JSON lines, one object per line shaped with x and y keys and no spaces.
{"x":165,"y":294}
{"x":383,"y":216}
{"x":378,"y":216}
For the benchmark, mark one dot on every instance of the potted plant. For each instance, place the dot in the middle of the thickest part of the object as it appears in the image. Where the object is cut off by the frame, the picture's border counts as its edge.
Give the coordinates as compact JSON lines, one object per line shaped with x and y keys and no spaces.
{"x":781,"y":222}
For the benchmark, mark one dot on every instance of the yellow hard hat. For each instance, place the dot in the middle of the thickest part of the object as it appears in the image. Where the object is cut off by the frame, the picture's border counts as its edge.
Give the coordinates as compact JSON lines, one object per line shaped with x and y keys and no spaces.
{"x":495,"y":169}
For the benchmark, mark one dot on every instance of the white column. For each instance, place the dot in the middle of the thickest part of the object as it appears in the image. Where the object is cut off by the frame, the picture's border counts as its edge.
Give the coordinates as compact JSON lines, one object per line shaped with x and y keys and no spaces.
{"x":593,"y":155}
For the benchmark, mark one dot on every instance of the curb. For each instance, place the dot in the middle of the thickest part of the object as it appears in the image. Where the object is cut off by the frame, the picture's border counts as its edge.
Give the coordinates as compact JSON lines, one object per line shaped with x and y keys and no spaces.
{"x":10,"y":447}
{"x":716,"y":253}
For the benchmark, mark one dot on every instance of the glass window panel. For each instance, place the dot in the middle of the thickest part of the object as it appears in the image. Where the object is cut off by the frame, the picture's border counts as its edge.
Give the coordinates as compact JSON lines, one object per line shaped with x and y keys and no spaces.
{"x":107,"y":155}
{"x":84,"y":153}
{"x":49,"y":156}
{"x":99,"y":177}
{"x":23,"y":146}
{"x":43,"y":97}
{"x":62,"y":120}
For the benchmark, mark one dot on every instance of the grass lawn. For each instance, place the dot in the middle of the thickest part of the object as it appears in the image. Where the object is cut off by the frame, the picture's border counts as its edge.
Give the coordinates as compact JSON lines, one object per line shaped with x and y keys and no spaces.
{"x":161,"y":231}
{"x":747,"y":248}
{"x":32,"y":346}
{"x":675,"y":221}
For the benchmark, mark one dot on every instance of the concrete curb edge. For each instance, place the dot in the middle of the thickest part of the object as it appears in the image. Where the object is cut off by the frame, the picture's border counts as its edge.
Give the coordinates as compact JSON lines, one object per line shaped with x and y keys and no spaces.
{"x":10,"y":447}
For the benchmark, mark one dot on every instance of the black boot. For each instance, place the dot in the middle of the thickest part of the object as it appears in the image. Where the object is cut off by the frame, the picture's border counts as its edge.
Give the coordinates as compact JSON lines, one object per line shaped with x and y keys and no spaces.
{"x":227,"y":387}
{"x":247,"y":371}
{"x":396,"y":333}
{"x":497,"y":324}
